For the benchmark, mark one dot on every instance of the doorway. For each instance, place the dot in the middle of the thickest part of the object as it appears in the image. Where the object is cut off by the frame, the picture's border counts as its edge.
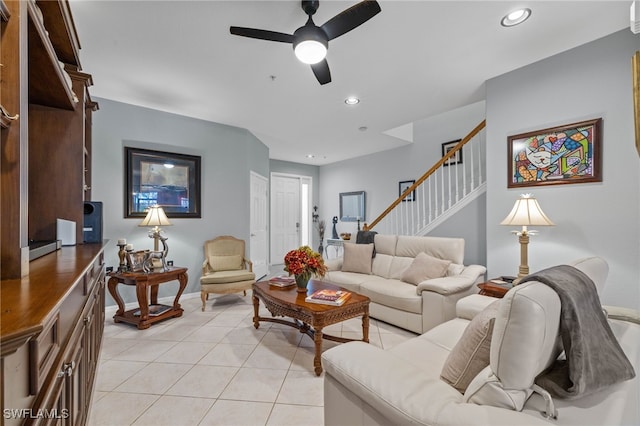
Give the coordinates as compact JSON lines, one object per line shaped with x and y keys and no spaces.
{"x":291,"y":198}
{"x":258,"y":243}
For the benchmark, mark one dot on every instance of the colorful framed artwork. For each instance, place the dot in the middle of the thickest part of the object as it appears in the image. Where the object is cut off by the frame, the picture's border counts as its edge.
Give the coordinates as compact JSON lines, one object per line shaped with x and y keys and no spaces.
{"x":169,"y":180}
{"x":403,"y":186}
{"x":456,"y":158}
{"x":565,"y":154}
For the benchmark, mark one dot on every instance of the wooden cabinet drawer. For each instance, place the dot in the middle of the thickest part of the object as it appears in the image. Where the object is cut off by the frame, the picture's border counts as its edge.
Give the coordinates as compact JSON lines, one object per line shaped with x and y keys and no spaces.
{"x":43,"y":351}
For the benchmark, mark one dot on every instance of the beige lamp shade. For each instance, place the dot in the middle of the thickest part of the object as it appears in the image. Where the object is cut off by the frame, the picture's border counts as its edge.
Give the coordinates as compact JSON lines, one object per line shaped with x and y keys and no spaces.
{"x":527,"y":212}
{"x":155,"y":217}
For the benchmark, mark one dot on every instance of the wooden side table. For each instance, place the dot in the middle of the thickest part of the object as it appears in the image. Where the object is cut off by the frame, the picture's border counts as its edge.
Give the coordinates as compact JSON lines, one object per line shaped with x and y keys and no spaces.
{"x":493,"y":289}
{"x":147,"y":314}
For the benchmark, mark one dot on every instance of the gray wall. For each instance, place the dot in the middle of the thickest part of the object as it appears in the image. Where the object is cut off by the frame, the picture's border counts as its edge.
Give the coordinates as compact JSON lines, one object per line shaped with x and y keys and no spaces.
{"x":379,"y":174}
{"x":591,"y":81}
{"x":228,"y":155}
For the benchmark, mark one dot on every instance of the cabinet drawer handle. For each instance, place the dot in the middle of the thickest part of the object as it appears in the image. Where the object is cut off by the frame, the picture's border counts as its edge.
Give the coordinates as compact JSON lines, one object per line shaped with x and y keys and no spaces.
{"x":68,"y":368}
{"x":87,"y":319}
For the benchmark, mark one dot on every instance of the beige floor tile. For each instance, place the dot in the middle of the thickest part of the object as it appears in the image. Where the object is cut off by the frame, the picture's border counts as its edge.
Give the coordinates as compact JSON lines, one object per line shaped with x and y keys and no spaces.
{"x":303,"y":388}
{"x":205,"y":381}
{"x":303,"y":359}
{"x":208,"y":333}
{"x":276,"y":357}
{"x":244,"y":335}
{"x":237,"y":413}
{"x":226,"y":319}
{"x":173,"y":332}
{"x":148,"y":350}
{"x":226,"y":354}
{"x":155,"y":378}
{"x":255,"y":384}
{"x":112,"y":373}
{"x":282,"y":336}
{"x":175,"y":411}
{"x":112,"y":346}
{"x":117,"y":409}
{"x":296,"y":415}
{"x":186,"y":352}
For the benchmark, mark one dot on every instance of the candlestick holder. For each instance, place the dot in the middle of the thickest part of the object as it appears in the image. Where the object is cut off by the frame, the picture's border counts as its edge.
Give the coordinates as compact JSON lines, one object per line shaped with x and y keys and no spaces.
{"x":122,"y":267}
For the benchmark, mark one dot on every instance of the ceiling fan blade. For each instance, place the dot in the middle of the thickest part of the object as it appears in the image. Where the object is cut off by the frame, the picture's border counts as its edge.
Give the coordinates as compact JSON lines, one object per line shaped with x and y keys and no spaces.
{"x":321,"y":71}
{"x":261,"y":34}
{"x":351,"y":18}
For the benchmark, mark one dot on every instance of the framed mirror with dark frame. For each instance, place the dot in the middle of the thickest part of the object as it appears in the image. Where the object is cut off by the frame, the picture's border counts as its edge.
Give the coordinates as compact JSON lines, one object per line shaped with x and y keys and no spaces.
{"x":352,"y":206}
{"x":167,"y":179}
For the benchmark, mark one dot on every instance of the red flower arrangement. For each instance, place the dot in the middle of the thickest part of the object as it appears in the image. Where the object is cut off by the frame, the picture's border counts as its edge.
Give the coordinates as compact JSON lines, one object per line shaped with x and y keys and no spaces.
{"x":304,"y":261}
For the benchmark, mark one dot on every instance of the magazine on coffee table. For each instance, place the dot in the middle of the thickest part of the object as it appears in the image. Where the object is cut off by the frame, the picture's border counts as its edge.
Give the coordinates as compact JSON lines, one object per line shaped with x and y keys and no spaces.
{"x":154,"y":310}
{"x":329,"y":297}
{"x":282,"y":281}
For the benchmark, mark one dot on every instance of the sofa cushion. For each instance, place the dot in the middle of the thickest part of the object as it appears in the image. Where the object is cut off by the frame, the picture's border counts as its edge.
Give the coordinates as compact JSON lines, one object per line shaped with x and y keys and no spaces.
{"x":398,"y":266}
{"x":357,"y":258}
{"x":471,"y":354}
{"x":381,"y":265}
{"x":454,"y":269}
{"x":225,"y":263}
{"x":425,"y":267}
{"x":392,"y":293}
{"x":227,"y":276}
{"x":443,"y":248}
{"x":349,"y":280}
{"x":386,"y":244}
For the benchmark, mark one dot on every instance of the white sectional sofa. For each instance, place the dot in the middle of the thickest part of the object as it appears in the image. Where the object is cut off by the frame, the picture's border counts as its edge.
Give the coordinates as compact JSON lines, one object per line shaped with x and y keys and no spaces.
{"x":417,"y":306}
{"x":366,"y":385}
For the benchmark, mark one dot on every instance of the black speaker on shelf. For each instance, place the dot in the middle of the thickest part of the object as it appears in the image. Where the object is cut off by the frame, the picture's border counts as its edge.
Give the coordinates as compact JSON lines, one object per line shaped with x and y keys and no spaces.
{"x":92,"y":229}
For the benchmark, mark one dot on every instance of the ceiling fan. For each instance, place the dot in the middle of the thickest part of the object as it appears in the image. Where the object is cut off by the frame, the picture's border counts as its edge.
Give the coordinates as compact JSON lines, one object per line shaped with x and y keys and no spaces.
{"x":310,"y":42}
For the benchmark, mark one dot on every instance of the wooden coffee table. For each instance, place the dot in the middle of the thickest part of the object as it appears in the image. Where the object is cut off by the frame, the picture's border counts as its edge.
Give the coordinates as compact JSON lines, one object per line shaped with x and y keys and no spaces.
{"x":310,"y":318}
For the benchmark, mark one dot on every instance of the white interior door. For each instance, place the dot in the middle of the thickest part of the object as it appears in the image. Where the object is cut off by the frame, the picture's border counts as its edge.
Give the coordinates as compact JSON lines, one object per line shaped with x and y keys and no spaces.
{"x":285,"y":216}
{"x":259,"y":244}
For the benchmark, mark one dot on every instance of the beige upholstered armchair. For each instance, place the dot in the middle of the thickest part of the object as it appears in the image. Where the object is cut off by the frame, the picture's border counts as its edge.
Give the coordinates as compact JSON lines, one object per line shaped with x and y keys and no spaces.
{"x":225,"y":269}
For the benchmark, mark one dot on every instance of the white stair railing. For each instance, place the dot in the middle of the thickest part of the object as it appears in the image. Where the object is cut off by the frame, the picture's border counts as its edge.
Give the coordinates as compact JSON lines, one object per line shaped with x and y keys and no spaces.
{"x":452,"y":183}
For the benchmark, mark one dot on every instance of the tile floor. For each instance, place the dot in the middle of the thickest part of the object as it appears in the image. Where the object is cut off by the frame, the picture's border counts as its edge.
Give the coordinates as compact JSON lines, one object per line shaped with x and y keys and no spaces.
{"x":215,"y":368}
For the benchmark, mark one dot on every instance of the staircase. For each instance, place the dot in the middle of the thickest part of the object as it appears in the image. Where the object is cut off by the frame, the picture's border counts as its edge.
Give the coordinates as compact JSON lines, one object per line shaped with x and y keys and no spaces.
{"x":452,"y":183}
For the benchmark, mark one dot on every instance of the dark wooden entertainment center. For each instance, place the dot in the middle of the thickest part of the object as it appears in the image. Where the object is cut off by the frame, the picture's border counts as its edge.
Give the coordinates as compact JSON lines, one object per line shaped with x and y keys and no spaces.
{"x":52,"y":308}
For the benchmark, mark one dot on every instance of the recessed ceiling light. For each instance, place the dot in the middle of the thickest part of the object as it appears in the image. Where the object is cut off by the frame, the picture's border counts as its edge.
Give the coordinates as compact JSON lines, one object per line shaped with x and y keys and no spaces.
{"x":351,"y":100}
{"x":311,"y":156}
{"x":516,"y":17}
{"x":363,"y":128}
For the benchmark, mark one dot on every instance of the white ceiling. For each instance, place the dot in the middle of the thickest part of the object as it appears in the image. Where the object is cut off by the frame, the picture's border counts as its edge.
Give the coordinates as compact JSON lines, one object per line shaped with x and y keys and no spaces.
{"x":413,"y":60}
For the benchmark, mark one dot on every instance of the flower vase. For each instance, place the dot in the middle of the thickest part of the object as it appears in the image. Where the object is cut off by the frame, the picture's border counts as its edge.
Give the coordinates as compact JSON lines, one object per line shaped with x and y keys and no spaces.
{"x":302,"y":280}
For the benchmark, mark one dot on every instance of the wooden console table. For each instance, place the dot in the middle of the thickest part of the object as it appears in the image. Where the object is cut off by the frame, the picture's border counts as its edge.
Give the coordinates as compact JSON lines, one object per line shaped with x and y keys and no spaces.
{"x":147,"y":314}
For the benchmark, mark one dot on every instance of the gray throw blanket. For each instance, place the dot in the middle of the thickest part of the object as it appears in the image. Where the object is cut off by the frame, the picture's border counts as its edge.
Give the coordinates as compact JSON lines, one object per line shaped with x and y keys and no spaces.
{"x":594,"y":358}
{"x":367,"y":237}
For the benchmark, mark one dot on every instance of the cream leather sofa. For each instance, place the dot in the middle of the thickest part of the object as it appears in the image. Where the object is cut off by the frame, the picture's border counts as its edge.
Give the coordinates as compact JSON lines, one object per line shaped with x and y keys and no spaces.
{"x":365,"y":384}
{"x":415,"y":307}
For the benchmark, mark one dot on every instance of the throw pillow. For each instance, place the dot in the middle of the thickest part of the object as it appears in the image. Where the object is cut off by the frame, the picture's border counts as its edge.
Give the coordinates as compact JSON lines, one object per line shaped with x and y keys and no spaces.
{"x":357,"y":258}
{"x":225,"y":263}
{"x":471,"y":354}
{"x":425,"y":267}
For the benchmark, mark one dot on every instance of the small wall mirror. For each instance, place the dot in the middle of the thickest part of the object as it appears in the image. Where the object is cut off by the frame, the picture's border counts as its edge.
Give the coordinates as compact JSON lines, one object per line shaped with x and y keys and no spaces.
{"x":352,"y":206}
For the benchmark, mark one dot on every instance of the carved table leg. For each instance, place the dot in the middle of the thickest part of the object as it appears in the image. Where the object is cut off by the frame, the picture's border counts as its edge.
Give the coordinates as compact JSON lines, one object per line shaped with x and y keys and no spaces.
{"x":113,"y":290}
{"x":182,"y":279}
{"x":317,"y":361}
{"x":143,"y":304}
{"x":256,"y":307}
{"x":365,"y":325}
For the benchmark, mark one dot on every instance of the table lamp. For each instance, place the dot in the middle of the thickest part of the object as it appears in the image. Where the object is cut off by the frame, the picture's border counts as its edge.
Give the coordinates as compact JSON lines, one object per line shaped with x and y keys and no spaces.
{"x":526,"y":212}
{"x":156,"y":218}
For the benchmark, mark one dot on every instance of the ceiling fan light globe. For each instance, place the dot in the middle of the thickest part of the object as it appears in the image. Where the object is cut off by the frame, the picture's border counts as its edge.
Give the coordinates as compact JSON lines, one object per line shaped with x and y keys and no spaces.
{"x":310,"y":51}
